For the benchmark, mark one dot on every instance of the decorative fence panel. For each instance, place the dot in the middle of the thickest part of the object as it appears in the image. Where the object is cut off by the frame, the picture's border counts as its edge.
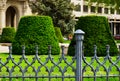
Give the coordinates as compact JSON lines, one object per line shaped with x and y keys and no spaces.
{"x":101,"y":68}
{"x":41,"y":68}
{"x":60,"y":68}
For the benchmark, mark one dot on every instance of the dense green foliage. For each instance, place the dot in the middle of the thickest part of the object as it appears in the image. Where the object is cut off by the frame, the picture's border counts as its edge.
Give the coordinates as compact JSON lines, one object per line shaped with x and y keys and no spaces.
{"x":35,"y":30}
{"x":8,"y":34}
{"x":97,"y":32}
{"x":59,"y":10}
{"x":111,"y":3}
{"x":59,"y":34}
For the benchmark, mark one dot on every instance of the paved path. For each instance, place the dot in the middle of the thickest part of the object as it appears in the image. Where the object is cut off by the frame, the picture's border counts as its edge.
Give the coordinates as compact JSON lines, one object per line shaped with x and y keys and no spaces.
{"x":4,"y":49}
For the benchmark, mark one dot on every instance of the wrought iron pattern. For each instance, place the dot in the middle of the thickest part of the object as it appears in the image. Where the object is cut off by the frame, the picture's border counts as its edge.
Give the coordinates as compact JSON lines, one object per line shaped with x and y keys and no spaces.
{"x":49,"y":73}
{"x":107,"y":66}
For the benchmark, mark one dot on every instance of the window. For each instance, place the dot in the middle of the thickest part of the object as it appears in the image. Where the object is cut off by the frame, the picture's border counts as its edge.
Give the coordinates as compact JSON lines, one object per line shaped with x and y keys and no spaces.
{"x":99,"y":9}
{"x":111,"y":20}
{"x":117,"y":28}
{"x":92,"y":8}
{"x":85,"y":8}
{"x":118,"y":11}
{"x":106,"y":10}
{"x":77,"y":7}
{"x":111,"y":10}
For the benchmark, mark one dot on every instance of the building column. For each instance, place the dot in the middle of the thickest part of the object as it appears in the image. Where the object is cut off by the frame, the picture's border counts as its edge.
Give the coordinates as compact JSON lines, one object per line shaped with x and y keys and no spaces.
{"x":2,"y":19}
{"x":89,"y":9}
{"x":112,"y":32}
{"x":103,"y":10}
{"x":109,"y":11}
{"x":82,"y":4}
{"x":114,"y":28}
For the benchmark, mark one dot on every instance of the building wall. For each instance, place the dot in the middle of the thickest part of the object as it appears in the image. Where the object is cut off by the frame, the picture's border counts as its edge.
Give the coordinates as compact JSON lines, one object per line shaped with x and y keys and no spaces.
{"x":20,"y":8}
{"x":85,"y":8}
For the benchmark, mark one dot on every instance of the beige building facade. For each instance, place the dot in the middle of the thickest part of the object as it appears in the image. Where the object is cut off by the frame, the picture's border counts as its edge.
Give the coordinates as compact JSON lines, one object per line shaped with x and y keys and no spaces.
{"x":83,"y":8}
{"x":11,"y":11}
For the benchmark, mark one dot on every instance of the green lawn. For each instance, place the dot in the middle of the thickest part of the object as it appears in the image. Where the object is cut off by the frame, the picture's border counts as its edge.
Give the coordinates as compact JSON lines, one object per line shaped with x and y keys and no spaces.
{"x":49,"y":65}
{"x":117,"y":41}
{"x":67,"y":41}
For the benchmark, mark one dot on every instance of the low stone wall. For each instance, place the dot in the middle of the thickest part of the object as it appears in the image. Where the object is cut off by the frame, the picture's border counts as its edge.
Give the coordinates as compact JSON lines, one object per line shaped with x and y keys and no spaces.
{"x":5,"y":44}
{"x":65,"y":47}
{"x":4,"y":47}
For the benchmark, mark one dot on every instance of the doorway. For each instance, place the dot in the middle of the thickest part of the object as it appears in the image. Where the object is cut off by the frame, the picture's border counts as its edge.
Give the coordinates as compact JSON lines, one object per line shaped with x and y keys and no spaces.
{"x":11,"y":17}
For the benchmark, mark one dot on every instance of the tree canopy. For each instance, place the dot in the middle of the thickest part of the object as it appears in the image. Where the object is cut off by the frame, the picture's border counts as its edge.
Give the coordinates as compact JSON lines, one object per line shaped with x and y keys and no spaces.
{"x":59,"y":10}
{"x":113,"y":3}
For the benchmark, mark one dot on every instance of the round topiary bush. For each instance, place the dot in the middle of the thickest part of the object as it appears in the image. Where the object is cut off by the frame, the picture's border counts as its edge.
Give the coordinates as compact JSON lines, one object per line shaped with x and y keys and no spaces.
{"x":35,"y":30}
{"x":8,"y":34}
{"x":59,"y":34}
{"x":97,"y":32}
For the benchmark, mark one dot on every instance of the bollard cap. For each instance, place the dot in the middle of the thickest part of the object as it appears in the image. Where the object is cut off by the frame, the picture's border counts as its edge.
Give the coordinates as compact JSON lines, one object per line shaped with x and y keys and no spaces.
{"x":80,"y":32}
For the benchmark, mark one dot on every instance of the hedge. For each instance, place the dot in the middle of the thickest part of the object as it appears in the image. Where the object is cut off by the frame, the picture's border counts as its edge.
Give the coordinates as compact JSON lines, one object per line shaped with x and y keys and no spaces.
{"x":8,"y":34}
{"x":59,"y":34}
{"x":97,"y":32}
{"x":35,"y":30}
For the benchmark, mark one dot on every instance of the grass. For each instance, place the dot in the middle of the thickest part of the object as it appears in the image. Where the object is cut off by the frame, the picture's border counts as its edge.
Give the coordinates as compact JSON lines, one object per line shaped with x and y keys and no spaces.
{"x":117,"y":41}
{"x":48,"y":65}
{"x":67,"y":41}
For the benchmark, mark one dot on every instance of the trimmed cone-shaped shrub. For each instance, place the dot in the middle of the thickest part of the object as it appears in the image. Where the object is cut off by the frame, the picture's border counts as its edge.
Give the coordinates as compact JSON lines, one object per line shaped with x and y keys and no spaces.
{"x":97,"y":32}
{"x":8,"y":35}
{"x":35,"y":30}
{"x":59,"y":34}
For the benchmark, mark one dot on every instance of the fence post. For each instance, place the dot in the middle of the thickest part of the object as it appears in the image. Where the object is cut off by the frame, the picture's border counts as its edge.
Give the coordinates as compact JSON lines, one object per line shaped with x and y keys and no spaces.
{"x":79,"y":36}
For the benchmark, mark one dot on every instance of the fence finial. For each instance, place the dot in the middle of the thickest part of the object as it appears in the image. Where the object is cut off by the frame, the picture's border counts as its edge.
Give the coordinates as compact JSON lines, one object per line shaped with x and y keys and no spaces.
{"x":95,"y":50}
{"x":36,"y":49}
{"x":49,"y":49}
{"x":79,"y":34}
{"x":79,"y":31}
{"x":108,"y":49}
{"x":23,"y":49}
{"x":62,"y":47}
{"x":10,"y":50}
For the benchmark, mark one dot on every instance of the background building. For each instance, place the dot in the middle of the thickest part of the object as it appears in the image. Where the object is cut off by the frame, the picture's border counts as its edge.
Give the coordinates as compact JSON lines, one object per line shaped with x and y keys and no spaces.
{"x":84,"y":7}
{"x":11,"y":11}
